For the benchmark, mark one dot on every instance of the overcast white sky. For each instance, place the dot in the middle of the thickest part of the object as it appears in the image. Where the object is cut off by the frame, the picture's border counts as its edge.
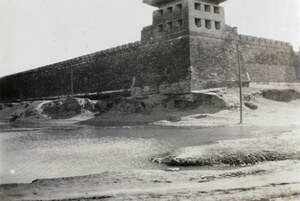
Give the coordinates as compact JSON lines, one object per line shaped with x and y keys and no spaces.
{"x":34,"y":33}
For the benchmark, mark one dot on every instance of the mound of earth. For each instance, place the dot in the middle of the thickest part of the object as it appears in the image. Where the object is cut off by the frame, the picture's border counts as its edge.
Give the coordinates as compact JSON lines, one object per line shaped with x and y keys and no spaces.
{"x":67,"y":108}
{"x":132,"y":105}
{"x":284,"y":95}
{"x":118,"y":110}
{"x":43,"y":111}
{"x":236,"y":152}
{"x":23,"y":111}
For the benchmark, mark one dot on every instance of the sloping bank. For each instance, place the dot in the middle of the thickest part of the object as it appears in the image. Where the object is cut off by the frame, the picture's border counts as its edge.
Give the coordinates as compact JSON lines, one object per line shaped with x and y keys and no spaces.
{"x":111,"y":110}
{"x":65,"y":110}
{"x":237,"y":152}
{"x":205,"y":108}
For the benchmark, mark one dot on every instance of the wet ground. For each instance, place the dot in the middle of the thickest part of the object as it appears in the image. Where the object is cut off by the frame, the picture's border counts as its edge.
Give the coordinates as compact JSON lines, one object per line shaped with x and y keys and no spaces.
{"x":29,"y":153}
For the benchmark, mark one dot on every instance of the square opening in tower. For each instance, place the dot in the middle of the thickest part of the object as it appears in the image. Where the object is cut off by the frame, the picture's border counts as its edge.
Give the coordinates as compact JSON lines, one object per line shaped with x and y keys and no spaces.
{"x":170,"y":10}
{"x":216,"y":10}
{"x":197,"y":6}
{"x":178,"y":7}
{"x":198,"y":22}
{"x":161,"y":12}
{"x":179,"y":23}
{"x":218,"y":25}
{"x":169,"y":25}
{"x":207,"y":8}
{"x":208,"y":24}
{"x":160,"y":28}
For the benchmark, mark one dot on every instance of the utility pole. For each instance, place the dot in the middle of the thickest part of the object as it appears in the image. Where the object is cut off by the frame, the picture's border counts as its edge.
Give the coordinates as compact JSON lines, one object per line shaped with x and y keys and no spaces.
{"x":240,"y":83}
{"x":71,"y":69}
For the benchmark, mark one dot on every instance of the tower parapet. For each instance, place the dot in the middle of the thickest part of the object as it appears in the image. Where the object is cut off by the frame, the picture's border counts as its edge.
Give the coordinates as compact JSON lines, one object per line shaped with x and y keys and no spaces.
{"x":184,"y":17}
{"x":206,"y":18}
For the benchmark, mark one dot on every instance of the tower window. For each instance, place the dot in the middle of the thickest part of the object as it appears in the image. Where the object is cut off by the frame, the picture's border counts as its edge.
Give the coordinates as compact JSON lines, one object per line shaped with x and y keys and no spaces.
{"x":217,"y":10}
{"x":198,"y":22}
{"x":169,"y":25}
{"x":218,"y":25}
{"x":170,"y":10}
{"x":179,"y":23}
{"x":160,"y":28}
{"x":179,"y":7}
{"x":197,"y":6}
{"x":207,"y":8}
{"x":161,"y":12}
{"x":208,"y":24}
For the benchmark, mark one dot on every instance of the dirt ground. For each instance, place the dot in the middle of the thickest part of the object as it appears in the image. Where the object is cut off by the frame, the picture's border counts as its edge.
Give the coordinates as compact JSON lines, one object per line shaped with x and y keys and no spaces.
{"x":266,"y":181}
{"x":265,"y":168}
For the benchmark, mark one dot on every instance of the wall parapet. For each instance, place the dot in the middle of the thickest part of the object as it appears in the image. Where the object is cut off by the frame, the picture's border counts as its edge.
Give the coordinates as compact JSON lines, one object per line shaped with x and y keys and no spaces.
{"x":75,"y":61}
{"x":263,"y":42}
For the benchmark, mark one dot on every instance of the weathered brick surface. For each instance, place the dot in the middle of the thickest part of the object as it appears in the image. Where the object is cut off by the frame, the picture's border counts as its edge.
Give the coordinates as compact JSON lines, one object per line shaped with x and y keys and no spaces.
{"x":171,"y":66}
{"x":150,"y":65}
{"x":36,"y":84}
{"x":214,"y":63}
{"x":165,"y":63}
{"x":268,"y":60}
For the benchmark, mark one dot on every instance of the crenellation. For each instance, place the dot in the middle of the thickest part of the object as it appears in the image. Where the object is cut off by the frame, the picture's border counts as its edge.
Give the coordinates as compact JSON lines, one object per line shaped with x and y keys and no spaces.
{"x":263,"y":42}
{"x":130,"y":45}
{"x":268,"y":42}
{"x":137,"y":43}
{"x":77,"y":60}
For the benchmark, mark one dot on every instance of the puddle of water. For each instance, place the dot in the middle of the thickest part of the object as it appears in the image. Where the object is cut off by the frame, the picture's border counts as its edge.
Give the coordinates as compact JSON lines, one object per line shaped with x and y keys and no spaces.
{"x":50,"y":152}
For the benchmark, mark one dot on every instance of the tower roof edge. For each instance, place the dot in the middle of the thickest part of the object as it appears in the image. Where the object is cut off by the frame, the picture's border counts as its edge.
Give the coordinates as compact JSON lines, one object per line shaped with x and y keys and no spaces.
{"x":158,"y":3}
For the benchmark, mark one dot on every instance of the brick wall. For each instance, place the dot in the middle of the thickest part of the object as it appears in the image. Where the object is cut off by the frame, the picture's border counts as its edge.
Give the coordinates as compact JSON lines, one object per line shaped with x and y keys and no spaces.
{"x":175,"y":65}
{"x":268,"y":60}
{"x":214,"y":63}
{"x":157,"y":65}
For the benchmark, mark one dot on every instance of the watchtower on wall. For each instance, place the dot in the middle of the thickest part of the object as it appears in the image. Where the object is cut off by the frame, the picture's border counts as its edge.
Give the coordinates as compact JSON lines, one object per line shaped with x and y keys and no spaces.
{"x":201,"y":23}
{"x":184,"y":17}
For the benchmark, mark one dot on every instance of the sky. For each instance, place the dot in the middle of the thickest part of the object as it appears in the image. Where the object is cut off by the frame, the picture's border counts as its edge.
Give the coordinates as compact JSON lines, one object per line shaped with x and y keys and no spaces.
{"x":34,"y":33}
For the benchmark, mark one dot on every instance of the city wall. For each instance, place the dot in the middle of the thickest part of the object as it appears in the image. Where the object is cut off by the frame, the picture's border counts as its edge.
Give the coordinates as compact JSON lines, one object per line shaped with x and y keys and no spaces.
{"x":153,"y":68}
{"x":172,"y":66}
{"x":268,"y":60}
{"x":214,"y":63}
{"x":188,"y":47}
